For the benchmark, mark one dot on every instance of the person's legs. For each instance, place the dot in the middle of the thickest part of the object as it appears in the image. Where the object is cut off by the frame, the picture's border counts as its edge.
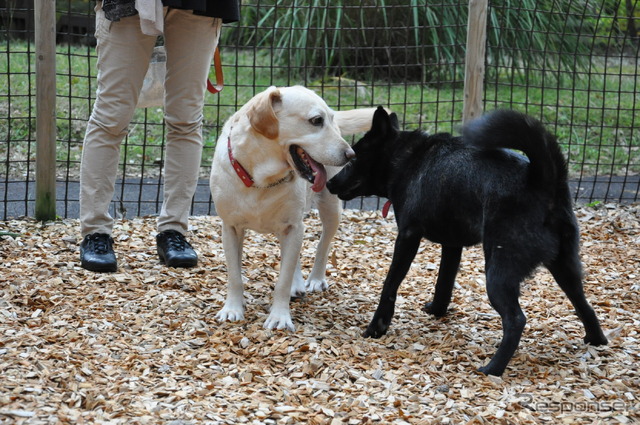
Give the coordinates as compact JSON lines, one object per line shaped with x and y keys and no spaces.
{"x":123,"y":58}
{"x":190,"y":41}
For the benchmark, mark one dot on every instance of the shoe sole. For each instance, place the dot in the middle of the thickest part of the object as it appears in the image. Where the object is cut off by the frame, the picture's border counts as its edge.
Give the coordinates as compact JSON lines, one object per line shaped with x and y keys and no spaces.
{"x":108,"y":268}
{"x":177,"y":263}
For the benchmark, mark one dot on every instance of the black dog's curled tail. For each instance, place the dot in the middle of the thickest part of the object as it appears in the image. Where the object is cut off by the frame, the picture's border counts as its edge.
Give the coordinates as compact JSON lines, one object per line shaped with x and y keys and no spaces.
{"x":514,"y":130}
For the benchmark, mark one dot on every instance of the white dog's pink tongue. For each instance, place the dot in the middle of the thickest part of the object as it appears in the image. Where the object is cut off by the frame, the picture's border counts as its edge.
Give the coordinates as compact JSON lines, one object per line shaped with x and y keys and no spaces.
{"x":320,"y":175}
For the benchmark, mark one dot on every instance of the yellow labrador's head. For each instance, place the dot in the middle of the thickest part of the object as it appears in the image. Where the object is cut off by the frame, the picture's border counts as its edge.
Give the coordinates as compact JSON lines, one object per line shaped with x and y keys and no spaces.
{"x":304,"y":127}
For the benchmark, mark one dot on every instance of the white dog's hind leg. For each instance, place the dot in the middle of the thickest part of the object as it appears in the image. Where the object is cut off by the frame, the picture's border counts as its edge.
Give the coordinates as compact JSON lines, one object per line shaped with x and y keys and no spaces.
{"x":291,"y":245}
{"x":329,"y":208}
{"x":298,"y":287}
{"x":233,"y":309}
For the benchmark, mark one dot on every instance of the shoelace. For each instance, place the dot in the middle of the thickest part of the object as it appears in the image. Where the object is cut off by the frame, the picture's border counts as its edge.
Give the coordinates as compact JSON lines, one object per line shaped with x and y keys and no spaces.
{"x":99,"y":243}
{"x":177,"y":241}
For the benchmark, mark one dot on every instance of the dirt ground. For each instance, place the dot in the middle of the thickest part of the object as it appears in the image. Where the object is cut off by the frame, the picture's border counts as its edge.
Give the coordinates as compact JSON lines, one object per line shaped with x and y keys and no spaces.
{"x":142,"y":346}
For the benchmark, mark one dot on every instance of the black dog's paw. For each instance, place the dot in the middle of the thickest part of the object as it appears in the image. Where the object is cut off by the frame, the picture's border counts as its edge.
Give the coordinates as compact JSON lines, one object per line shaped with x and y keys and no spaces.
{"x":434,"y":310}
{"x":596,"y":339}
{"x":376,"y":330}
{"x":492,"y":369}
{"x":483,"y":370}
{"x":486,"y":370}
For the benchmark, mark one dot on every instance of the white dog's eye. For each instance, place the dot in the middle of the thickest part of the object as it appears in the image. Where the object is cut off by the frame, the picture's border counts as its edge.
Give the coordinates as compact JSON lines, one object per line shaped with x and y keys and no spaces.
{"x":317,"y":121}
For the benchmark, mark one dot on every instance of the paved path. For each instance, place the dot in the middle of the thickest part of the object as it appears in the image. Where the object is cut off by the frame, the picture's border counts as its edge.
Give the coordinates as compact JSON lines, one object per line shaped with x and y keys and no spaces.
{"x":617,"y":189}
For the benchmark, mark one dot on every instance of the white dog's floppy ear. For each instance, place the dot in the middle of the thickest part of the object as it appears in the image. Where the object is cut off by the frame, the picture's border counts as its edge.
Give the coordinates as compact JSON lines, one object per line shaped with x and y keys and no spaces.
{"x":262,"y":117}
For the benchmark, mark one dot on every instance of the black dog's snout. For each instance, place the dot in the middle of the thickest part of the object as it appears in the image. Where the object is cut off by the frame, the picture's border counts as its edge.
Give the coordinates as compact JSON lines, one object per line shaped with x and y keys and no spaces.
{"x":330,"y":186}
{"x":333,"y":185}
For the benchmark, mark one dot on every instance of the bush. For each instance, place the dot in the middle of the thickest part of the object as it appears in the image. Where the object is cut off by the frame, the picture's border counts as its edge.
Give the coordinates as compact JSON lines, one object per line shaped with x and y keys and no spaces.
{"x":413,"y":40}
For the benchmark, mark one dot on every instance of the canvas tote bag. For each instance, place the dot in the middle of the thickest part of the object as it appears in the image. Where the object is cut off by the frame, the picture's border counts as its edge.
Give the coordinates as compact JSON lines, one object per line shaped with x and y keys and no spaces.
{"x":152,"y":93}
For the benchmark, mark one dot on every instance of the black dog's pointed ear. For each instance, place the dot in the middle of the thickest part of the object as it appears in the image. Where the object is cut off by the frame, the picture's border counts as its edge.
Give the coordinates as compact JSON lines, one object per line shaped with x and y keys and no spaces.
{"x":382,"y":122}
{"x":380,"y":112}
{"x":394,"y":121}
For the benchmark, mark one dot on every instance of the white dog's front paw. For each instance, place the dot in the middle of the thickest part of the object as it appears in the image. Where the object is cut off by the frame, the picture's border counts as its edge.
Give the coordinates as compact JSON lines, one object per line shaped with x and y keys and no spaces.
{"x":314,"y":285}
{"x":279,"y":320}
{"x":231,"y":313}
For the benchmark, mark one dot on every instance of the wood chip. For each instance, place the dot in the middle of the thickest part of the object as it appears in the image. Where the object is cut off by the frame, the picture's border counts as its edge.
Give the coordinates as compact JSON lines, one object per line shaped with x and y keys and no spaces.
{"x":142,"y":345}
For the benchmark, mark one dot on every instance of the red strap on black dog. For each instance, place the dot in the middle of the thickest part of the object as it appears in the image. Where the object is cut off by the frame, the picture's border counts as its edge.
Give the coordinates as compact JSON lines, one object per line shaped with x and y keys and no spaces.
{"x":385,"y":209}
{"x":217,"y":65}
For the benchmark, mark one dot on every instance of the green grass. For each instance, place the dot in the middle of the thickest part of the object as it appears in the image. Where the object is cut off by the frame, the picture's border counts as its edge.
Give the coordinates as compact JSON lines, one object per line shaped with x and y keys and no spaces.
{"x":594,"y":116}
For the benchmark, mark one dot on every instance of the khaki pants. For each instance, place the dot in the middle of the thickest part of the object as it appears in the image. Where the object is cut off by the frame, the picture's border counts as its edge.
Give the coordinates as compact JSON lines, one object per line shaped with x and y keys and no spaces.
{"x":123,"y":58}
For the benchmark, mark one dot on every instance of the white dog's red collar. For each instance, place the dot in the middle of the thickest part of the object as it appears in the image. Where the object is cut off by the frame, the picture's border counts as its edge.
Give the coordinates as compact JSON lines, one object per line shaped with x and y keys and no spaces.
{"x":240,"y":171}
{"x":246,"y":177}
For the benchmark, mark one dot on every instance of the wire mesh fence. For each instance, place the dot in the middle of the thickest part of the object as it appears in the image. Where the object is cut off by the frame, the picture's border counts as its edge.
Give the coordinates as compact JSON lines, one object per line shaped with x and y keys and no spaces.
{"x":572,"y":64}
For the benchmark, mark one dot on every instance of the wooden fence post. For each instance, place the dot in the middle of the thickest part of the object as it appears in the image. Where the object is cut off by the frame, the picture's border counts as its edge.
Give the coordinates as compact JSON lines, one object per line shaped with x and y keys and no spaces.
{"x":475,"y":59}
{"x":45,"y":33}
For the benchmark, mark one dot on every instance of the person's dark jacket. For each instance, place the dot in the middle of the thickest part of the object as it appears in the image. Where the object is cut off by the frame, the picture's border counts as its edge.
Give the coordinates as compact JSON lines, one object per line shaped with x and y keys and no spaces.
{"x":227,"y":10}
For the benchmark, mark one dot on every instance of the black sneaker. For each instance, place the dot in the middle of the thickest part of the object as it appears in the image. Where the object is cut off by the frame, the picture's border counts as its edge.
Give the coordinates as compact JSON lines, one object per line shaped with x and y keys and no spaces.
{"x":96,"y":253}
{"x":174,"y":250}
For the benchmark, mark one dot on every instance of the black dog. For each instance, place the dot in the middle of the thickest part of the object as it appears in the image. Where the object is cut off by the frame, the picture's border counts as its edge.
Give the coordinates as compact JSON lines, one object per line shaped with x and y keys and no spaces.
{"x":460,"y":191}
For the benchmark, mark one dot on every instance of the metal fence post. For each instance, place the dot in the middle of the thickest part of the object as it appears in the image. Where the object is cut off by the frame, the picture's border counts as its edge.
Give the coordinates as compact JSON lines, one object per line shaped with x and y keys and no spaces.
{"x":45,"y":34}
{"x":475,"y":59}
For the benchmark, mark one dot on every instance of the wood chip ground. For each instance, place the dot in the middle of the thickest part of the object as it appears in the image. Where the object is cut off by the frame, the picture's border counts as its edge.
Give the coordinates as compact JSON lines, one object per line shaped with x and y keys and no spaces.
{"x":142,"y":346}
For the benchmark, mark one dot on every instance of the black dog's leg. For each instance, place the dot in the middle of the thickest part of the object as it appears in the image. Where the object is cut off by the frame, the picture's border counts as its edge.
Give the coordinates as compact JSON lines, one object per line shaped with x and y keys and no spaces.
{"x":567,"y":271}
{"x":503,"y":288}
{"x":404,"y":252}
{"x":449,"y":263}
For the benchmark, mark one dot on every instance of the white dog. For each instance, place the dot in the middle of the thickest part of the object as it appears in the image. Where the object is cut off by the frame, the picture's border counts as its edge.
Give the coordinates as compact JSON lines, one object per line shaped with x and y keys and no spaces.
{"x":280,"y":135}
